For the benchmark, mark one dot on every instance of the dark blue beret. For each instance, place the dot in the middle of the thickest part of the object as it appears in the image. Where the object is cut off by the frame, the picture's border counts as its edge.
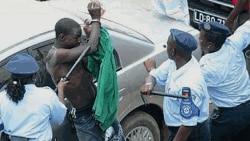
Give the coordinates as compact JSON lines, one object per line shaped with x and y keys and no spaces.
{"x":22,"y":64}
{"x":184,"y":40}
{"x":215,"y":27}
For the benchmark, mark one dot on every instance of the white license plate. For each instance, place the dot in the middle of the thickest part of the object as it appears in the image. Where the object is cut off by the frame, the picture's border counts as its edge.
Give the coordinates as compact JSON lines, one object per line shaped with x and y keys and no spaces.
{"x":200,"y":16}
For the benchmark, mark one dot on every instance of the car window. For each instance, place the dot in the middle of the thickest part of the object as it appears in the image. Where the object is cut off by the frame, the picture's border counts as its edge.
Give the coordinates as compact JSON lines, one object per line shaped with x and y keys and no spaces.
{"x":4,"y":75}
{"x":39,"y":52}
{"x":129,"y":49}
{"x":116,"y":55}
{"x":117,"y":60}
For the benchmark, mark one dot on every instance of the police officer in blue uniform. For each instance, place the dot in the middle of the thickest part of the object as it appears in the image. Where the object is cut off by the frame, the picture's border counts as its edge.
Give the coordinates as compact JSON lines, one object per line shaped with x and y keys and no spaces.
{"x":26,"y":110}
{"x":224,"y":68}
{"x":181,"y":75}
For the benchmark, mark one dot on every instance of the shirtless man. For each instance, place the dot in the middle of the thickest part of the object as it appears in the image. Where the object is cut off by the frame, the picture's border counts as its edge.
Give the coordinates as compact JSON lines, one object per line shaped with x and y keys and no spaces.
{"x":80,"y":90}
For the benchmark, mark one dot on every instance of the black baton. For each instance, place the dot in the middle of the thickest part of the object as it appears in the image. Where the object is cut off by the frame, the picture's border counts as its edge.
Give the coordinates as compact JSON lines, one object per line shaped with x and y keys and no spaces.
{"x":168,"y":95}
{"x":66,"y":77}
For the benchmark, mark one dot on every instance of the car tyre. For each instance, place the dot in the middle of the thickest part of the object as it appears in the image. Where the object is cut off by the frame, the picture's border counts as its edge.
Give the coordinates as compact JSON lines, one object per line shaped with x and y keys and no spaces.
{"x":140,"y":126}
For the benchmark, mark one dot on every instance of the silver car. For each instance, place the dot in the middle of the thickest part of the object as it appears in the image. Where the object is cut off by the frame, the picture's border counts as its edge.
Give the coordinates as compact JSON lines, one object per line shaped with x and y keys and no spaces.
{"x":138,"y":34}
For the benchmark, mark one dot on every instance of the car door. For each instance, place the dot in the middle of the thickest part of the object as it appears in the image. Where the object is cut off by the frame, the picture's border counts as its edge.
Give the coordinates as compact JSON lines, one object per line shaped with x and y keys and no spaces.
{"x":130,"y":51}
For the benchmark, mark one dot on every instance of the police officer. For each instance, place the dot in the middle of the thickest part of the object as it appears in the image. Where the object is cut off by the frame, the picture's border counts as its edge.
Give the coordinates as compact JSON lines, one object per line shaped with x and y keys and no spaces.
{"x":237,"y":17}
{"x":180,"y":74}
{"x":226,"y":76}
{"x":26,"y":110}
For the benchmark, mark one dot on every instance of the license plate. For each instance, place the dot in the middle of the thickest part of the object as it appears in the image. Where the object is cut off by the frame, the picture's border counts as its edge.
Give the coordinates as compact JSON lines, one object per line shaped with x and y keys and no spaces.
{"x":200,"y":16}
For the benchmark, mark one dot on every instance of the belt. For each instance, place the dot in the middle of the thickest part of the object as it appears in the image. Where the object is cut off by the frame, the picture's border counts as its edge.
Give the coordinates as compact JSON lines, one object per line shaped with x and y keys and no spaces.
{"x":234,"y":108}
{"x":77,"y":112}
{"x":7,"y":137}
{"x":83,"y":111}
{"x":177,"y":127}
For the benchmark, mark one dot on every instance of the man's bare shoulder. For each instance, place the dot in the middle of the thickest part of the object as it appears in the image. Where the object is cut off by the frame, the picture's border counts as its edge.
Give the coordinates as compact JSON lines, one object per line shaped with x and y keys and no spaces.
{"x":53,"y":55}
{"x":60,"y":55}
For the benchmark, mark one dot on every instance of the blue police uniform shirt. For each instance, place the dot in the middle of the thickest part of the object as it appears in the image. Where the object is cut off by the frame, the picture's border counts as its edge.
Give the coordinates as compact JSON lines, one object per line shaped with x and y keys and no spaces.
{"x":176,"y":112}
{"x":225,"y":70}
{"x":32,"y":115}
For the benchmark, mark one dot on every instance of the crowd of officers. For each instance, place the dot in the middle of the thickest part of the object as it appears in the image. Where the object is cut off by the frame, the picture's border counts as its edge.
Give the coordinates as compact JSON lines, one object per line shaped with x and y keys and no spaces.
{"x":220,"y":75}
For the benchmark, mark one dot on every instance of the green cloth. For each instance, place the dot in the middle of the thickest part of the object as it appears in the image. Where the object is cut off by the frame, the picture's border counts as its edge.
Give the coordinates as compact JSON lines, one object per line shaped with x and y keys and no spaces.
{"x":102,"y":67}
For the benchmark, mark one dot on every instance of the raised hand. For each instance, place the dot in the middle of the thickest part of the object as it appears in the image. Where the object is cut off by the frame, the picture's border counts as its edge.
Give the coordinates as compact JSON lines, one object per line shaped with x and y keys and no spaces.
{"x":94,"y":9}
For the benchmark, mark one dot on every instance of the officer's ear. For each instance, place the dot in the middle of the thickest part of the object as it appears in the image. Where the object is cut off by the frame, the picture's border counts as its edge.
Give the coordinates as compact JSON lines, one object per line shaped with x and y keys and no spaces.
{"x":61,"y":37}
{"x":210,"y":46}
{"x":173,"y":51}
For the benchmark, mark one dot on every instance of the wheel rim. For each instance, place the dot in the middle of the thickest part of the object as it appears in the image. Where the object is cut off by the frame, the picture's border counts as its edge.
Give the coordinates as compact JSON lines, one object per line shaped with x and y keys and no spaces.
{"x":140,"y":133}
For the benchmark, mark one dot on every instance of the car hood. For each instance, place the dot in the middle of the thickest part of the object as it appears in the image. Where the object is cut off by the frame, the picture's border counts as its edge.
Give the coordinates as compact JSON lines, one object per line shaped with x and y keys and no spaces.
{"x":24,"y":19}
{"x":21,"y":20}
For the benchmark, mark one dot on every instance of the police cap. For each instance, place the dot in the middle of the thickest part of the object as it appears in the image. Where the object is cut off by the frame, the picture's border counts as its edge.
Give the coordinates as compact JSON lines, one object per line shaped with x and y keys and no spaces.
{"x":215,"y":27}
{"x":22,"y":64}
{"x":184,"y":40}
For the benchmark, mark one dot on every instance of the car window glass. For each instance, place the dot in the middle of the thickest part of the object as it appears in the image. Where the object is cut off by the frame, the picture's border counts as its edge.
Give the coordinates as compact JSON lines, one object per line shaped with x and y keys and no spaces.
{"x":117,"y":60}
{"x":116,"y":56}
{"x":130,"y":49}
{"x":4,"y":75}
{"x":39,"y":52}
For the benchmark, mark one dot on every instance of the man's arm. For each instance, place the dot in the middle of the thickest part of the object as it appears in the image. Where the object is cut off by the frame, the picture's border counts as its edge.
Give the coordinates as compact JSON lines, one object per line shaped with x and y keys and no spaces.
{"x":60,"y":87}
{"x":150,"y":80}
{"x":183,"y":133}
{"x":68,"y":55}
{"x":95,"y":12}
{"x":148,"y":86}
{"x":234,"y":13}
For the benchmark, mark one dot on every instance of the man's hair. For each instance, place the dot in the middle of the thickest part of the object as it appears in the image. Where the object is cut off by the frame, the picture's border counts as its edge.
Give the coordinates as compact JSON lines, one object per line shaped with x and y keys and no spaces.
{"x":217,"y":39}
{"x":184,"y":54}
{"x":65,"y":26}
